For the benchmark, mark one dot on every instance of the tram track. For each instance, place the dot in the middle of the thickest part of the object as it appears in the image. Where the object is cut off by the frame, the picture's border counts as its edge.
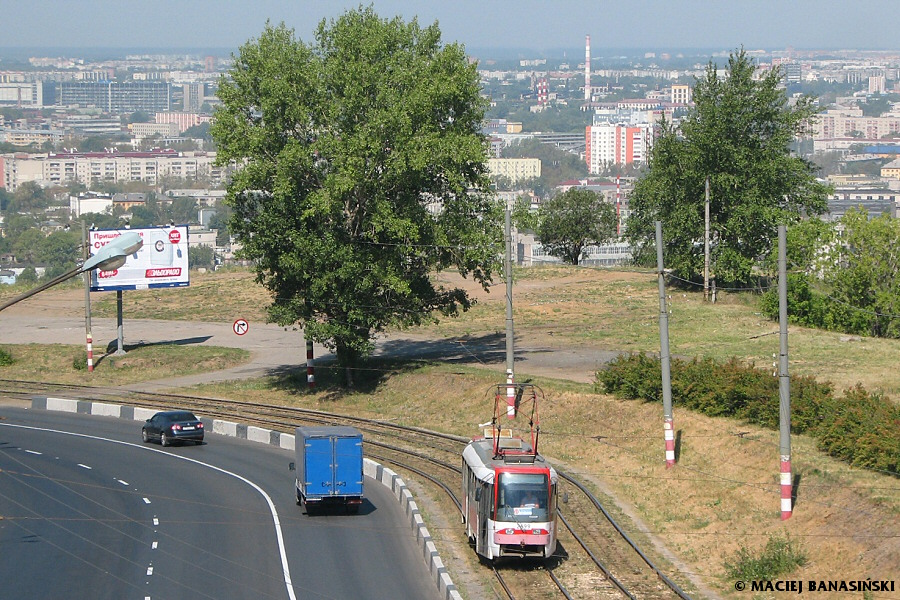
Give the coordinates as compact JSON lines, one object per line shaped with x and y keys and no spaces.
{"x":587,"y":530}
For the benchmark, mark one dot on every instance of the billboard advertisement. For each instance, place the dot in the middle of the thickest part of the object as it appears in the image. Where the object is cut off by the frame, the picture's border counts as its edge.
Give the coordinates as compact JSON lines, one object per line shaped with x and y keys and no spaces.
{"x":161,"y":262}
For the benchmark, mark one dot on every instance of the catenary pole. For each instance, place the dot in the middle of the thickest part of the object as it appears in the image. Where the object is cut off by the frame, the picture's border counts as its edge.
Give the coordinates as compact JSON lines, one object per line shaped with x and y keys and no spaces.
{"x":668,"y":420}
{"x":706,"y":245}
{"x":510,"y":359}
{"x":310,"y":367}
{"x":784,"y":382}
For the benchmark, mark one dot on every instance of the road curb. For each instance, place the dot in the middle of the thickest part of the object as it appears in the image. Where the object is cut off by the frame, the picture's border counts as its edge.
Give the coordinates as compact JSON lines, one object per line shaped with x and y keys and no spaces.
{"x":373,"y":470}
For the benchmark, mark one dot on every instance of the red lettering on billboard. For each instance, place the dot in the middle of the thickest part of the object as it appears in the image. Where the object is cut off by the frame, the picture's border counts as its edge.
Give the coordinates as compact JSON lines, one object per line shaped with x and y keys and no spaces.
{"x":107,"y":274}
{"x":174,"y":236}
{"x":168,"y":272}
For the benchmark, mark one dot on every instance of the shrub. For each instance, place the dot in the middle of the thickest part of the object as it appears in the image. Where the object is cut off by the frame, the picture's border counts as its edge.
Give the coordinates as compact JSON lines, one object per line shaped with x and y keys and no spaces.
{"x":6,"y":358}
{"x":79,"y":363}
{"x":781,"y":555}
{"x":860,"y":428}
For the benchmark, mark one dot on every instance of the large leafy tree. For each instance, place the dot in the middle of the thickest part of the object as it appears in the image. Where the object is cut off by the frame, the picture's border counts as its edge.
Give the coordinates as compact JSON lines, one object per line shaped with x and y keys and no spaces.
{"x":363,"y":171}
{"x":864,"y":275}
{"x":738,"y":135}
{"x":568,"y":222}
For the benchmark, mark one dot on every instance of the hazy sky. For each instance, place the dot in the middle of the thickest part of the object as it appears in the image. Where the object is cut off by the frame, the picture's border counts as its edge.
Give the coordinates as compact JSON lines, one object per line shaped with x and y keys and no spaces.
{"x":658,"y":24}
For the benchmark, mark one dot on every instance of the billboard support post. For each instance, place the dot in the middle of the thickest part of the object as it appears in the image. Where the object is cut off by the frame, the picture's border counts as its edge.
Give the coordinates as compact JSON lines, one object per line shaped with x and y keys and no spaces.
{"x":120,"y":344}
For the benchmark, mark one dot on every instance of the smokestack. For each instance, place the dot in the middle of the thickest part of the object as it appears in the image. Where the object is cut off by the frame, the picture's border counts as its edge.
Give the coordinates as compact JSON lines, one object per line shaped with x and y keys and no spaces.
{"x":587,"y":68}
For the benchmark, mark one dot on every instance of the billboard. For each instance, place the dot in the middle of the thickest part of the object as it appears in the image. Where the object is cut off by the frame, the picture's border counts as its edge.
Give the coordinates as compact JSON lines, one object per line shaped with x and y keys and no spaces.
{"x":161,"y":262}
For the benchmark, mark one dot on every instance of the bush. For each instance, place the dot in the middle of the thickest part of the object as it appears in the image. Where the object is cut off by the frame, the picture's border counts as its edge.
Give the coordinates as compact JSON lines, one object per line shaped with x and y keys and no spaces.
{"x":79,"y":363}
{"x":6,"y":358}
{"x":780,"y":555}
{"x":860,"y":428}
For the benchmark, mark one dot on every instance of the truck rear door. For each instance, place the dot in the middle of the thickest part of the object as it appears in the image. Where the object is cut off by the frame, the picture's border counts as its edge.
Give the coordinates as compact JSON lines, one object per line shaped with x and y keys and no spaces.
{"x":347,"y":466}
{"x":319,"y":467}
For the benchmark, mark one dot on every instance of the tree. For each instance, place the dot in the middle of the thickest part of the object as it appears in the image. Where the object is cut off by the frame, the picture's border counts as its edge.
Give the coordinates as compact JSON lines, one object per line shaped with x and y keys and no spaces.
{"x":60,"y":251}
{"x":364,"y":171}
{"x":27,"y":246}
{"x":864,"y":277}
{"x":201,"y":256}
{"x":738,"y":135}
{"x":572,"y":220}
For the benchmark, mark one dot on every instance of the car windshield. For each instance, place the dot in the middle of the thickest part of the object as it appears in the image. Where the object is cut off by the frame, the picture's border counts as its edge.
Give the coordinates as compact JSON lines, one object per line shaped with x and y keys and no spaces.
{"x":522,"y":497}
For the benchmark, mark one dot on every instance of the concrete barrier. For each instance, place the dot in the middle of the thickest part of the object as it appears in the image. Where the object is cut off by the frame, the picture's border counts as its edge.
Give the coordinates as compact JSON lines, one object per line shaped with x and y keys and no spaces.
{"x":371,"y":469}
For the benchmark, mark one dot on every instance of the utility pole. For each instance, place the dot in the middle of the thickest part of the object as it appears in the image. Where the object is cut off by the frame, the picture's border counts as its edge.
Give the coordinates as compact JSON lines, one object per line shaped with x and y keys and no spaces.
{"x":706,"y":246}
{"x":310,"y":367}
{"x":784,"y":382}
{"x":510,"y":360}
{"x":86,"y":252}
{"x":668,"y":420}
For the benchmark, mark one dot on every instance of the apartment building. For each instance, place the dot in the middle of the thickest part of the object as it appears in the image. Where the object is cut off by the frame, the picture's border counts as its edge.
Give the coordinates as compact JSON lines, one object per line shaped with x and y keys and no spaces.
{"x":515,"y":169}
{"x":184,"y":120}
{"x":26,"y":94}
{"x":141,"y":131}
{"x":681,"y":94}
{"x":891,"y":170}
{"x":845,"y":122}
{"x":613,"y":143}
{"x":92,"y":167}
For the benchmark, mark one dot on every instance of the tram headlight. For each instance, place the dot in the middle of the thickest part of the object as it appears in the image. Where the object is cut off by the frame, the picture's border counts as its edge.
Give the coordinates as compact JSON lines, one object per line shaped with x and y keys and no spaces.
{"x":510,"y":531}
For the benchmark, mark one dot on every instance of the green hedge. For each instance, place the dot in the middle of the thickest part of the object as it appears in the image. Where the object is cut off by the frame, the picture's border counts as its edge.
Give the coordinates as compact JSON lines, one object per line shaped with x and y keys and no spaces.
{"x":860,"y":428}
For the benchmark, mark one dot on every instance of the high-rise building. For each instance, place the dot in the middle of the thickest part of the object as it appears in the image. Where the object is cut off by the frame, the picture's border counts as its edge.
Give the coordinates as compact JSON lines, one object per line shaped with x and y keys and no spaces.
{"x":617,"y":143}
{"x":193,"y":96}
{"x":118,"y":97}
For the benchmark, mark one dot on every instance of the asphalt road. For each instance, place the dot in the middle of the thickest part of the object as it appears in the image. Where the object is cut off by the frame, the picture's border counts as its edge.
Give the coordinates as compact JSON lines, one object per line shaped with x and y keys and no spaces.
{"x":106,"y":516}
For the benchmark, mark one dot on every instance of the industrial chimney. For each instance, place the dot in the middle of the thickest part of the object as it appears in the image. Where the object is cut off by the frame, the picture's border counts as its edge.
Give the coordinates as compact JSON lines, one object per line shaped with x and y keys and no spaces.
{"x":587,"y":68}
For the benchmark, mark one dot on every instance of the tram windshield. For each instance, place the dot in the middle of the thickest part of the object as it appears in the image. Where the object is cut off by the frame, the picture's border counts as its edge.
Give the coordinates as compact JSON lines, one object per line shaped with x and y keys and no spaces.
{"x":522,"y":497}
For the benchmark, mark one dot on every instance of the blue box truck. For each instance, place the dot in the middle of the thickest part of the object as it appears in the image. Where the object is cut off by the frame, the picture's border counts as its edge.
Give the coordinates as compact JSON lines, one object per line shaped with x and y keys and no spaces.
{"x":329,"y":466}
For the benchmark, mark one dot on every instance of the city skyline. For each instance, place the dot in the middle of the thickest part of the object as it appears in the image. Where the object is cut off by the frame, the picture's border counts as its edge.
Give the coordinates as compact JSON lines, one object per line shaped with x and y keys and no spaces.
{"x":502,"y":24}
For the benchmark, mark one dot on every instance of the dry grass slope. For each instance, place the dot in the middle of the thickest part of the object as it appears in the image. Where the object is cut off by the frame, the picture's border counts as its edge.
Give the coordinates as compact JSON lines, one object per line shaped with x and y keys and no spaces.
{"x":723,"y":494}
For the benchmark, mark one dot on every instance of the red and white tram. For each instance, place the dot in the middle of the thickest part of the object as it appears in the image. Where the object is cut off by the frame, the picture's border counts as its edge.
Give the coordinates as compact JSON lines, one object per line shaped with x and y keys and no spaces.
{"x":509,"y":490}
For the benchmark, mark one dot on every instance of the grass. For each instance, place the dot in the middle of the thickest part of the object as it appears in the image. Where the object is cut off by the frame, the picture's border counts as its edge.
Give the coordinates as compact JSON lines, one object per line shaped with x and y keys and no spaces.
{"x":723,"y":495}
{"x":780,"y":556}
{"x":55,"y":363}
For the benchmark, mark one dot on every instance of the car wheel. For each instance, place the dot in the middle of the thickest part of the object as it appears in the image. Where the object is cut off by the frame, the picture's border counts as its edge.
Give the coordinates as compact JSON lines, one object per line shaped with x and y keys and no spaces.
{"x":164,"y":439}
{"x":144,"y":436}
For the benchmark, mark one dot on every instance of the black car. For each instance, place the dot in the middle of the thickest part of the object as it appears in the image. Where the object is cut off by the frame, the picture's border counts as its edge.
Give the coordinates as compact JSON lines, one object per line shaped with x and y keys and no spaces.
{"x":173,"y":426}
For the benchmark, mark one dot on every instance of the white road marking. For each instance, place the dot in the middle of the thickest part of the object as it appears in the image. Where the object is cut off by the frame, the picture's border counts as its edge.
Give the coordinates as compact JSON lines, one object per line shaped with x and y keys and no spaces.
{"x":33,"y":452}
{"x":150,"y":570}
{"x":125,"y":483}
{"x":84,"y":466}
{"x":146,"y":500}
{"x":154,"y":546}
{"x":286,"y":571}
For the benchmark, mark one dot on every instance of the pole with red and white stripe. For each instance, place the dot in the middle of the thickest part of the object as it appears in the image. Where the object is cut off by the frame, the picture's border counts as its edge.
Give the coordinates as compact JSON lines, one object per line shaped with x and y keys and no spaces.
{"x":618,"y":207}
{"x":668,"y":419}
{"x":510,"y":337}
{"x":510,"y":396}
{"x":784,"y":382}
{"x":310,"y":367}
{"x":90,"y":352}
{"x":87,"y":299}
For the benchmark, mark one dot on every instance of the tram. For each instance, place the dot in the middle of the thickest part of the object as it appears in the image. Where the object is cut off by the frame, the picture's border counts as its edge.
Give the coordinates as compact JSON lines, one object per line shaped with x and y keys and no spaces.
{"x":509,"y":490}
